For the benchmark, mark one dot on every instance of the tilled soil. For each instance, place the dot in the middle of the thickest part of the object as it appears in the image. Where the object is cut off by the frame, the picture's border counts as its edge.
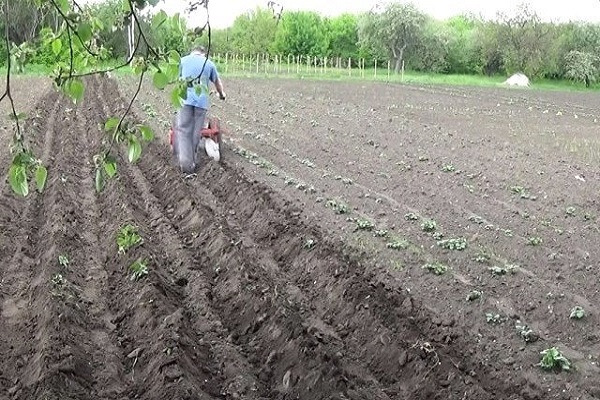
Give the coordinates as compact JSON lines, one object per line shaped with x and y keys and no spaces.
{"x":236,"y":305}
{"x":501,"y":169}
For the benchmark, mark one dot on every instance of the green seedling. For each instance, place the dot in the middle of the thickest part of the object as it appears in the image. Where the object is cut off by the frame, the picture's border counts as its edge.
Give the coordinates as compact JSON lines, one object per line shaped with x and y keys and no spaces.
{"x":423,"y":158}
{"x":273,"y":172}
{"x":437,"y":235}
{"x":553,"y":359}
{"x":494,"y":318}
{"x":534,"y":241}
{"x":428,"y":225}
{"x":364,"y":225}
{"x":338,"y":207}
{"x":127,"y":238}
{"x":139,"y":269}
{"x":301,"y":186}
{"x":457,"y":244}
{"x":58,"y":280}
{"x":436,"y":268}
{"x":411,"y":217}
{"x":398,"y":244}
{"x":63,"y":261}
{"x":448,"y":168}
{"x":474,"y":295}
{"x":577,"y":312}
{"x":508,"y":233}
{"x":476,"y":219}
{"x":526,"y":333}
{"x":571,"y":211}
{"x":381,"y":233}
{"x":309,"y":244}
{"x":499,"y":271}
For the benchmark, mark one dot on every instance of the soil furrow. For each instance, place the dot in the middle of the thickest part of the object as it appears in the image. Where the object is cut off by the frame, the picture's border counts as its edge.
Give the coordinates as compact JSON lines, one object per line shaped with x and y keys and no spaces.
{"x":109,"y":374}
{"x":162,"y":354}
{"x":53,"y":354}
{"x":18,"y":259}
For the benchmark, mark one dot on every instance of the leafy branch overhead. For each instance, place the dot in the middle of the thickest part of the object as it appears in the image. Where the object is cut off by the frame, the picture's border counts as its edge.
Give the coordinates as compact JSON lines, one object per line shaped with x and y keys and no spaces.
{"x":77,"y":50}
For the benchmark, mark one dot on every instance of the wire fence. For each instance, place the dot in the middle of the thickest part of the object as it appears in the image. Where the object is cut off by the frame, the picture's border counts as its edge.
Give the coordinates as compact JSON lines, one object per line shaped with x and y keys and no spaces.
{"x":264,"y":64}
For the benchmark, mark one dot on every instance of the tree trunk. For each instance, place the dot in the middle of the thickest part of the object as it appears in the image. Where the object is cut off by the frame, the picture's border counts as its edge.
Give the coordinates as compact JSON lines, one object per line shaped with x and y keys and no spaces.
{"x":399,"y":57}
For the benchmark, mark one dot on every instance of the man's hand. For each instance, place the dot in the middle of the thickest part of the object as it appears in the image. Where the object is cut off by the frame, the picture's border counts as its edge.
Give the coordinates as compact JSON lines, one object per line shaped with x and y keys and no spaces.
{"x":222,"y":95}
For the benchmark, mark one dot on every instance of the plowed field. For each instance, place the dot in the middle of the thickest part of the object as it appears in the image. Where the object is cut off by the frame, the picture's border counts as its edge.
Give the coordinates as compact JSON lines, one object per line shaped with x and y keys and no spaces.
{"x":294,"y":270}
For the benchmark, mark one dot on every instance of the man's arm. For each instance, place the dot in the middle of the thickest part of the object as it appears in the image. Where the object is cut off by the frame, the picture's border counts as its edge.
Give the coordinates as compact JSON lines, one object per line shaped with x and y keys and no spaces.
{"x":216,"y":80}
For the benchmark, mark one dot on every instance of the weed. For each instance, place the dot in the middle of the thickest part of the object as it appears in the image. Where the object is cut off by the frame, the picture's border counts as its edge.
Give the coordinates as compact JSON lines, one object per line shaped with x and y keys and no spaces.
{"x":423,"y":158}
{"x":273,"y":172}
{"x":436,"y":268}
{"x":469,"y":187}
{"x":534,"y":241}
{"x":508,"y":233}
{"x":127,"y":238}
{"x":571,"y":211}
{"x":58,"y":280}
{"x":428,"y":225}
{"x":290,"y":181}
{"x":347,"y":181}
{"x":458,"y":244}
{"x":553,"y":359}
{"x":308,"y":163}
{"x":139,"y":269}
{"x":577,"y":312}
{"x":301,"y":186}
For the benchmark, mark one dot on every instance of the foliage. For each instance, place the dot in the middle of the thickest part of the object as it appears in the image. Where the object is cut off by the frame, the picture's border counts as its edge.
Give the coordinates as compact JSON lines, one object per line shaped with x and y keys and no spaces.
{"x":253,"y":32}
{"x":301,"y":33}
{"x":581,"y":66}
{"x":398,"y":29}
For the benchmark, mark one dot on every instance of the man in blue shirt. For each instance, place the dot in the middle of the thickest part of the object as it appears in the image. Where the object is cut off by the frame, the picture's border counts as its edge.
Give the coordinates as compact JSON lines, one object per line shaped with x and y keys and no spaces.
{"x":190,"y":119}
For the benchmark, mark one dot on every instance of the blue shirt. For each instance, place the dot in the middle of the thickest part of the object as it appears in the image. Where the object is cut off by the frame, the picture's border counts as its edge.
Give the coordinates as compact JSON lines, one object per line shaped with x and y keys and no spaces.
{"x":190,"y":67}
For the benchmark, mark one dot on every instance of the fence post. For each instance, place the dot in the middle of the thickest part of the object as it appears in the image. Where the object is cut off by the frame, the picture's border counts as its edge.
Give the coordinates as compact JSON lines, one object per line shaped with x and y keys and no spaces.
{"x":375,"y":68}
{"x":257,"y":63}
{"x":298,"y":65}
{"x":349,"y":66}
{"x":402,"y":77}
{"x":389,"y":69}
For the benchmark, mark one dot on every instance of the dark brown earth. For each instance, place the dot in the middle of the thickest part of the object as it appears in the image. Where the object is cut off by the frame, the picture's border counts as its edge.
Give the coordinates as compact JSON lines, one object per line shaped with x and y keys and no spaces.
{"x":256,"y":290}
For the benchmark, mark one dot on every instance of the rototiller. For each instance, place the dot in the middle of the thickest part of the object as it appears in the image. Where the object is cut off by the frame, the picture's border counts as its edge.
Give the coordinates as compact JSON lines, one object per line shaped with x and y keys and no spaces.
{"x":211,"y":135}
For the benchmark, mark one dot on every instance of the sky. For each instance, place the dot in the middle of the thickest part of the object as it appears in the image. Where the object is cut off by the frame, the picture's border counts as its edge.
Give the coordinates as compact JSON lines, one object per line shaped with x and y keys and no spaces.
{"x":223,"y":12}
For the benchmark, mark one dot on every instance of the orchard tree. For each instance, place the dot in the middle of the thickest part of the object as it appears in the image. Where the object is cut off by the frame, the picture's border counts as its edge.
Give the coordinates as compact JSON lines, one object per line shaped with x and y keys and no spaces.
{"x":78,"y":53}
{"x":254,"y":32}
{"x":581,"y":66}
{"x":398,"y":28}
{"x":301,"y":33}
{"x":342,"y":36}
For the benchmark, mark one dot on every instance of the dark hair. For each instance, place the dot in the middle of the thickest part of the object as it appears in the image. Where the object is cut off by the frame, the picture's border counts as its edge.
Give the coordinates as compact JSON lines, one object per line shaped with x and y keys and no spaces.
{"x":200,"y":49}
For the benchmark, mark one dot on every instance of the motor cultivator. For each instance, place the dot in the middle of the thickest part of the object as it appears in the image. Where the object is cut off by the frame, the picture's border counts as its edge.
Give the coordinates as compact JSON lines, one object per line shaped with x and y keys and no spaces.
{"x":211,"y":138}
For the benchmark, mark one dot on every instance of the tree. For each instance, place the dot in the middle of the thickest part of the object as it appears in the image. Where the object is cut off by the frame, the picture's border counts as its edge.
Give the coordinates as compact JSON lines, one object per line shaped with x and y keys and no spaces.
{"x":301,"y":33}
{"x":254,"y":32}
{"x":342,"y":36}
{"x":581,"y":66}
{"x":397,"y":28}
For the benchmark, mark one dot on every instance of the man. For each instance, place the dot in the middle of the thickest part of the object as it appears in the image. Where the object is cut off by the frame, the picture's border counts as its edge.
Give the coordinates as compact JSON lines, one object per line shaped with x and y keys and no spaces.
{"x":190,"y":119}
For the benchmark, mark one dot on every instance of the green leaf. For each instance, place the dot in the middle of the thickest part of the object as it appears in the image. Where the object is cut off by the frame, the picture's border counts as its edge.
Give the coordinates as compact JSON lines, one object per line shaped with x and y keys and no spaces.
{"x":84,"y":31}
{"x":99,"y":180}
{"x":111,"y":124}
{"x":135,"y":149}
{"x":159,"y":19}
{"x":56,"y":46}
{"x":176,"y":99}
{"x":74,"y":89}
{"x":41,"y":175}
{"x":160,"y":80}
{"x":110,"y":166}
{"x":146,"y":132}
{"x":17,"y":177}
{"x":172,"y":71}
{"x":174,"y":57}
